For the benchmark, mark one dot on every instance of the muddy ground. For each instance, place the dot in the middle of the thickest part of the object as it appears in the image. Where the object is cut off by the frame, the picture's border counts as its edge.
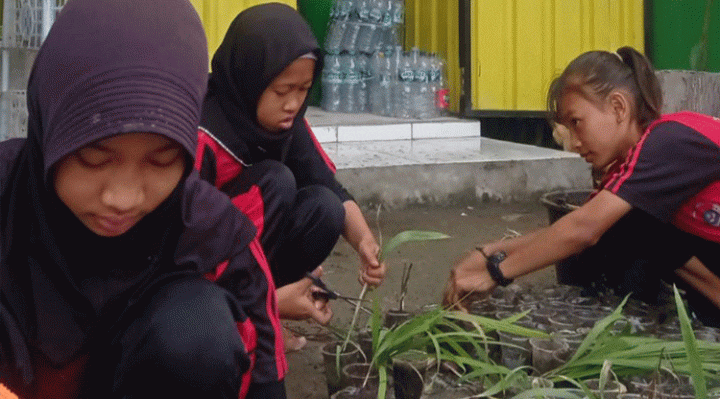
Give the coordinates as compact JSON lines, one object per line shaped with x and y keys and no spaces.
{"x":467,"y":226}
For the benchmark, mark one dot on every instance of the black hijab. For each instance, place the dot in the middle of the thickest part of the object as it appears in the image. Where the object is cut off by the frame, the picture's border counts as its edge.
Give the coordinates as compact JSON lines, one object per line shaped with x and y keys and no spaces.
{"x":259,"y":44}
{"x":107,"y":67}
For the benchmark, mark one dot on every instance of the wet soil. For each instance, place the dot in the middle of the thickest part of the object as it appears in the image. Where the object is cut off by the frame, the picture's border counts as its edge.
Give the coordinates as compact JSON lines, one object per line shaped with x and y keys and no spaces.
{"x":431,"y":260}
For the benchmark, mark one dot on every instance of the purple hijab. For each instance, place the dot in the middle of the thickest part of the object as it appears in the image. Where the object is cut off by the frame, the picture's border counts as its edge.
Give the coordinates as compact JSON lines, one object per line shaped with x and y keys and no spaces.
{"x":107,"y":67}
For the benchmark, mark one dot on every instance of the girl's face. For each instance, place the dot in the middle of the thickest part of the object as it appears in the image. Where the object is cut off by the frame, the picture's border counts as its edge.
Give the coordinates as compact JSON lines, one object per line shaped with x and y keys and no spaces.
{"x":597,"y":131}
{"x":113,"y":183}
{"x":283,"y":98}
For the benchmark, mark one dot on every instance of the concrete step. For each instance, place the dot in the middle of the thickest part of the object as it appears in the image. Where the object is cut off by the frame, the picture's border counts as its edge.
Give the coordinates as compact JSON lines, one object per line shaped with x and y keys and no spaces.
{"x":443,"y":161}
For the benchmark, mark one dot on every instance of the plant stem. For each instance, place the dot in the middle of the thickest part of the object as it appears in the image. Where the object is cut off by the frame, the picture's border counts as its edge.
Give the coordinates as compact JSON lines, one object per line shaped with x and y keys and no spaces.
{"x":355,"y":315}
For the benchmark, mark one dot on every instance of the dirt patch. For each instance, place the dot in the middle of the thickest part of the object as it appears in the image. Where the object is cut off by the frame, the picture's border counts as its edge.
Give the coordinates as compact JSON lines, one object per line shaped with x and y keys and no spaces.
{"x":467,"y":226}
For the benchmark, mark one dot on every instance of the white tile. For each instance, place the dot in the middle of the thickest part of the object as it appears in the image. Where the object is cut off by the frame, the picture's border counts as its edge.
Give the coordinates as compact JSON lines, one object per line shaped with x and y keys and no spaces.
{"x":325,"y":134}
{"x":402,"y":131}
{"x":434,"y":130}
{"x":371,"y":154}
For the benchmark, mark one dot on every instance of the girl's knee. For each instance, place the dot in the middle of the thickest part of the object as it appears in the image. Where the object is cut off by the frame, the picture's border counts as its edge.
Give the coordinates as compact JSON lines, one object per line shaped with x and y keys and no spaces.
{"x":276,"y":180}
{"x":324,"y":205}
{"x":190,"y":339}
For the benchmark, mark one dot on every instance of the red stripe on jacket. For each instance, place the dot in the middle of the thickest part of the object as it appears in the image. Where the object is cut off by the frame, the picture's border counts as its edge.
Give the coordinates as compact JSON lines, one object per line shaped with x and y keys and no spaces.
{"x":252,"y":205}
{"x":319,"y":148}
{"x":227,"y":167}
{"x":281,"y":361}
{"x":248,"y":335}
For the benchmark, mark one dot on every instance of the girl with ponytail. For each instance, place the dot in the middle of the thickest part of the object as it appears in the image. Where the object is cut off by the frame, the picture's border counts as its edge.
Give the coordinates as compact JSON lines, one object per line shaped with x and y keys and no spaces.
{"x":655,"y":216}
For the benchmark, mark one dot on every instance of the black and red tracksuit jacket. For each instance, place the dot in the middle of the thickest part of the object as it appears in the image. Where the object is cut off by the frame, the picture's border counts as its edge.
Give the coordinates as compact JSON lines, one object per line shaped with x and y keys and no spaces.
{"x":302,"y":154}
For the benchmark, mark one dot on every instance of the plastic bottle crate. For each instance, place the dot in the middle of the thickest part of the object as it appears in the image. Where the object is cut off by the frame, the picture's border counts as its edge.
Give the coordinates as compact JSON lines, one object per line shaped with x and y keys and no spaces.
{"x":26,"y":22}
{"x":13,"y":114}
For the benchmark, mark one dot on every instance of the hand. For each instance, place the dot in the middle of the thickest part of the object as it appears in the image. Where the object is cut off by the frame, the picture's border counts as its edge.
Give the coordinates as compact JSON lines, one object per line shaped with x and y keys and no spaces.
{"x":295,"y":301}
{"x":468,"y":275}
{"x":372,"y":271}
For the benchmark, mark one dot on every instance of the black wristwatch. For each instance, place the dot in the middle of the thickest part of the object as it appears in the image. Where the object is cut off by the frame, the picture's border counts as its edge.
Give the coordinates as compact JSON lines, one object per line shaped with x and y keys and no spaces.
{"x":493,"y":266}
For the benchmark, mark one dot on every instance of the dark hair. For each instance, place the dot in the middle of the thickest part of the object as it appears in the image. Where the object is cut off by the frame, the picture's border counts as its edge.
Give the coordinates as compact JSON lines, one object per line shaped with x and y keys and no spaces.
{"x":595,"y":74}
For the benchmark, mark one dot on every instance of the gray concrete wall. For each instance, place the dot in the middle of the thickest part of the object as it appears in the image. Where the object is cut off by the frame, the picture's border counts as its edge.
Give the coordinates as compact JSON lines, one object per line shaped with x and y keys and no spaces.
{"x":690,"y":90}
{"x":463,"y":183}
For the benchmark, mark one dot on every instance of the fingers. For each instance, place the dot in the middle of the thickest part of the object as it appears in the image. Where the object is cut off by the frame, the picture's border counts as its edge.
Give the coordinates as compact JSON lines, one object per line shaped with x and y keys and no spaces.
{"x":449,"y":293}
{"x":322,"y":313}
{"x":371,"y":279}
{"x":453,"y":295}
{"x":318,"y":272}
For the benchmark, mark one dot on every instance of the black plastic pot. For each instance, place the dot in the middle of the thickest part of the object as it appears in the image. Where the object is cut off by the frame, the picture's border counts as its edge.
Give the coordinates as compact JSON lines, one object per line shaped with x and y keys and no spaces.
{"x":558,"y":204}
{"x":334,"y":363}
{"x":394,"y":318}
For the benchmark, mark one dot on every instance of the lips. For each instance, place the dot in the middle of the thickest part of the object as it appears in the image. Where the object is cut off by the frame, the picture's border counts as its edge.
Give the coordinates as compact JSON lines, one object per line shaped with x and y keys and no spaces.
{"x":287,"y":122}
{"x":114,"y":225}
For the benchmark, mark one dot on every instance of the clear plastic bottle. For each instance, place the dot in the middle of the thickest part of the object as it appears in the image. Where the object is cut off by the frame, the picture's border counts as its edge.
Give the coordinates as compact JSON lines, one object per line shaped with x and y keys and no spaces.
{"x":399,"y":12}
{"x":369,"y":16}
{"x":424,"y":96}
{"x":439,"y":86}
{"x":377,"y":12}
{"x":344,"y":9}
{"x":362,"y":10}
{"x":380,"y":93}
{"x":362,"y":63}
{"x":375,"y":104}
{"x":350,"y":39}
{"x":332,"y":82}
{"x":335,"y":36}
{"x":405,"y":88}
{"x":386,"y":23}
{"x":366,"y":37}
{"x":387,"y":85}
{"x":351,"y":83}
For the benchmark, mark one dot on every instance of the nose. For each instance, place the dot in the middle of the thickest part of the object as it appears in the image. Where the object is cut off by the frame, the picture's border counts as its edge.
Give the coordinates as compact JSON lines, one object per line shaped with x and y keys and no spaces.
{"x":294,"y":102}
{"x":124,"y":192}
{"x":575,"y":142}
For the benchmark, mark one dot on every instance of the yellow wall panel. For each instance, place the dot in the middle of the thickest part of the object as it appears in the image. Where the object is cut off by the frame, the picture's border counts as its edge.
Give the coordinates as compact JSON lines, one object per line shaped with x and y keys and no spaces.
{"x":432,"y":25}
{"x":217,"y":15}
{"x":520,"y":46}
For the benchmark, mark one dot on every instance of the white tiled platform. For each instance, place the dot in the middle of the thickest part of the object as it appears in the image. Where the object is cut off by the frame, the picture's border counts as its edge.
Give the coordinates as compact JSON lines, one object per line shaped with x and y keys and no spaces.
{"x":400,"y":162}
{"x":339,"y":127}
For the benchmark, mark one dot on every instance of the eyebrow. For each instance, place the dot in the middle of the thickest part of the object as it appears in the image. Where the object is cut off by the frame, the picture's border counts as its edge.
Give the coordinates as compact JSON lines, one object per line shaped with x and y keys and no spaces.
{"x":167,"y":147}
{"x":97,"y":146}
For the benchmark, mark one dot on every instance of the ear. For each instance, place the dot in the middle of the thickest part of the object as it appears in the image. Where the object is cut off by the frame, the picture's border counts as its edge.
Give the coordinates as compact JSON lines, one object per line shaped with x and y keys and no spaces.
{"x":620,"y":105}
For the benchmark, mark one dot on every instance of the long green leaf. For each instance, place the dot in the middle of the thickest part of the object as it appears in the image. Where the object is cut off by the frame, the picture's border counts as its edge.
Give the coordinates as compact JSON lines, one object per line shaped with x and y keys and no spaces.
{"x":383,"y":382}
{"x":698,"y":376}
{"x":410,"y":235}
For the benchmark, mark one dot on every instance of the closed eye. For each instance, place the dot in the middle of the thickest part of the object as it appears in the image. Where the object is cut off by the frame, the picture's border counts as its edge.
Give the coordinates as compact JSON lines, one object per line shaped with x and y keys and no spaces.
{"x":165,"y":157}
{"x":93,"y":156}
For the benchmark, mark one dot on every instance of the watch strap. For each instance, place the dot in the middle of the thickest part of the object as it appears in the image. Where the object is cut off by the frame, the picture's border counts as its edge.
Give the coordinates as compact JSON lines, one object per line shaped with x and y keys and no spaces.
{"x":493,"y":266}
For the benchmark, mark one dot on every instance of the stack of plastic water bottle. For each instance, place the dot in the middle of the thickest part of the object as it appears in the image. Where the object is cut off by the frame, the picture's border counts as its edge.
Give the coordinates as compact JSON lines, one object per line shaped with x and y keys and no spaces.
{"x":366,"y":69}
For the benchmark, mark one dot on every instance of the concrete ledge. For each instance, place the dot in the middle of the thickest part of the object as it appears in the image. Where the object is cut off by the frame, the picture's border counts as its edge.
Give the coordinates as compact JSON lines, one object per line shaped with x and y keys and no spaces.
{"x":464,"y":183}
{"x":450,"y":171}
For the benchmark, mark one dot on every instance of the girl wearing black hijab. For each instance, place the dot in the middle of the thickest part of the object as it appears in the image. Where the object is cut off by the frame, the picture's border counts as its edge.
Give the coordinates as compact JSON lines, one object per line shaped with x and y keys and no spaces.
{"x":122,"y":274}
{"x":256,"y":146}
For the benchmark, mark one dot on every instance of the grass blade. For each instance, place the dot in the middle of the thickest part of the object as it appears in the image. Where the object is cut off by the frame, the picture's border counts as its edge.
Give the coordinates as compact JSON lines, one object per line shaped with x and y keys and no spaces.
{"x":698,"y":376}
{"x":410,"y":235}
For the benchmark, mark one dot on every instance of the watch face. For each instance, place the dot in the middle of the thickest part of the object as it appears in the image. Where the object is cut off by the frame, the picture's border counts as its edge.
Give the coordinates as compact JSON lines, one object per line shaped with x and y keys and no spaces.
{"x":498,"y":257}
{"x":493,"y":265}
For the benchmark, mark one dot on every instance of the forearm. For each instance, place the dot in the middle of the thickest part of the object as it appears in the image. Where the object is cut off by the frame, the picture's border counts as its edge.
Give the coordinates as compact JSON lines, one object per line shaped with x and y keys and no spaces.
{"x":569,"y":235}
{"x":356,"y":229}
{"x":527,"y":254}
{"x":701,"y":279}
{"x":510,"y":245}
